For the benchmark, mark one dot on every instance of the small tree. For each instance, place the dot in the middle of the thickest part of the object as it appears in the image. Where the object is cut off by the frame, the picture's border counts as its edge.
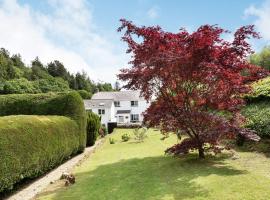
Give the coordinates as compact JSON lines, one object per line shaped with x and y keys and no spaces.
{"x":92,"y":128}
{"x":140,"y":134}
{"x":197,"y":80}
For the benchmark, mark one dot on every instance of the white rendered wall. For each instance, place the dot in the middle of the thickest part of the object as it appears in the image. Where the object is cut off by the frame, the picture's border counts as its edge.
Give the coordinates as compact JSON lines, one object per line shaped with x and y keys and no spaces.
{"x":126,"y":105}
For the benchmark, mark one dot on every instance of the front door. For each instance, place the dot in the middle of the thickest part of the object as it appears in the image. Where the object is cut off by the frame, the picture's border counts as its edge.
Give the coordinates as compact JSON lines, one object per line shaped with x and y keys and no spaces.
{"x":121,"y":119}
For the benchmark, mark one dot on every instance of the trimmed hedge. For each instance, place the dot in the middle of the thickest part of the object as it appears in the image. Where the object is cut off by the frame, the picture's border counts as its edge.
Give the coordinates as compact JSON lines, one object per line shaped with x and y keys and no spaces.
{"x":258,"y":117}
{"x":92,"y":128}
{"x":31,"y":145}
{"x":64,"y":104}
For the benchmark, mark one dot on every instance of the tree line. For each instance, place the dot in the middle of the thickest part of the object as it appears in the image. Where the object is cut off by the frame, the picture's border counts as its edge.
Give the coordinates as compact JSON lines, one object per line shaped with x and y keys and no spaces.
{"x":17,"y":77}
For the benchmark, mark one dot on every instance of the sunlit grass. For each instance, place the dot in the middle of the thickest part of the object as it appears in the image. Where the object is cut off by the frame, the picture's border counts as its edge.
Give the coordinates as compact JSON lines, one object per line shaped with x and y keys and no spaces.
{"x":136,"y":171}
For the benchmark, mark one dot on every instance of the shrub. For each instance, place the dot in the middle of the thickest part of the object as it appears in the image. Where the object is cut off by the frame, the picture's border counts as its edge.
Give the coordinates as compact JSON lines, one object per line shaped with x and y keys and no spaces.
{"x":64,"y":104}
{"x":112,"y":141}
{"x":125,"y":137}
{"x":52,"y":85}
{"x":92,"y":128}
{"x":260,"y":91}
{"x":31,"y":145}
{"x":258,"y":118}
{"x":140,"y":134}
{"x":22,"y":86}
{"x":19,"y":86}
{"x":84,"y":94}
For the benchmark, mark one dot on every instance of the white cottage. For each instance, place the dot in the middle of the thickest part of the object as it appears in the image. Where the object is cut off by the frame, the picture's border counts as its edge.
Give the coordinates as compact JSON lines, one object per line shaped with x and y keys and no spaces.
{"x":123,"y":107}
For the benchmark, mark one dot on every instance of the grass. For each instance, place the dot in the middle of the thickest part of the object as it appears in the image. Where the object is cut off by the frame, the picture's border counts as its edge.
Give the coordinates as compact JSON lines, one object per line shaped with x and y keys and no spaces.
{"x":136,"y":171}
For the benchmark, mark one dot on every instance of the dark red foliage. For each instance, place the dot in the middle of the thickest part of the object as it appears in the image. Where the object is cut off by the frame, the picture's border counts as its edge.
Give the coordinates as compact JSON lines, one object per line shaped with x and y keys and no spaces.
{"x":197,"y":80}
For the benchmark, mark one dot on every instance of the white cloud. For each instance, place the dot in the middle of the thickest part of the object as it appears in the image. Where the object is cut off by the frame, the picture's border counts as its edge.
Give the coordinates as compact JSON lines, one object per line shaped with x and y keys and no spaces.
{"x":67,"y":33}
{"x":262,"y":20}
{"x":152,"y":13}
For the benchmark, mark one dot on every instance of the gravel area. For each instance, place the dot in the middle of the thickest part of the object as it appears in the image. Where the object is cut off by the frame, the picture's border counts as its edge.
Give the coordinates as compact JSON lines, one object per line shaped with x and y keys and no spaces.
{"x":31,"y":190}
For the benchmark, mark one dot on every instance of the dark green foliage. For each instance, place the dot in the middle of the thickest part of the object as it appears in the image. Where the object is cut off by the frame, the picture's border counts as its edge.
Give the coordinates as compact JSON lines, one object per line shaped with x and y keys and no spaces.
{"x":92,"y":128}
{"x":104,"y":87}
{"x":65,"y":104}
{"x":257,"y":111}
{"x":240,"y":140}
{"x":19,"y":86}
{"x":111,"y":126}
{"x":52,"y":85}
{"x":258,"y":117}
{"x":82,"y":82}
{"x":84,"y":94}
{"x":112,"y":140}
{"x":39,"y":71}
{"x":48,"y":76}
{"x":57,"y":69}
{"x":22,"y":86}
{"x":31,"y":145}
{"x":125,"y":137}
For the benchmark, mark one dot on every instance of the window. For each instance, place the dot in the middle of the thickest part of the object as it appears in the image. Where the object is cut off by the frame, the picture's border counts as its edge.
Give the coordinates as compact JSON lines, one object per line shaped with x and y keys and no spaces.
{"x":134,"y":103}
{"x":101,"y":111}
{"x":117,"y":103}
{"x":134,"y":117}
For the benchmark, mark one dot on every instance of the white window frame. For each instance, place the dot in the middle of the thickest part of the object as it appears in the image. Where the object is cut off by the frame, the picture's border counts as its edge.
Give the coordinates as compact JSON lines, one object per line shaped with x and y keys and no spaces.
{"x":134,"y":103}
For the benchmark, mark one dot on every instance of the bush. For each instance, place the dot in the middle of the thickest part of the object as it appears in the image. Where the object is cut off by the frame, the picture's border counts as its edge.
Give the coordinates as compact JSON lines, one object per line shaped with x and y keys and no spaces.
{"x":260,"y":91}
{"x":92,"y":128}
{"x":140,"y":134}
{"x":52,"y":85}
{"x":112,"y":141}
{"x":64,"y":104}
{"x":23,"y":86}
{"x":84,"y":94}
{"x":258,"y":118}
{"x":31,"y":145}
{"x":125,"y":137}
{"x":19,"y":86}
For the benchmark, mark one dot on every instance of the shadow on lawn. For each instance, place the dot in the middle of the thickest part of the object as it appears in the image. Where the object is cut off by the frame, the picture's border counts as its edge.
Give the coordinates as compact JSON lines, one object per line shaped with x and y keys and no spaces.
{"x":263,"y":146}
{"x":147,"y":178}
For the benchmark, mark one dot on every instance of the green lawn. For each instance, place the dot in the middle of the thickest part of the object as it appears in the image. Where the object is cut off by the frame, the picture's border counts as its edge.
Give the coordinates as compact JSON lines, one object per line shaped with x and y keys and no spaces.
{"x":137,"y":171}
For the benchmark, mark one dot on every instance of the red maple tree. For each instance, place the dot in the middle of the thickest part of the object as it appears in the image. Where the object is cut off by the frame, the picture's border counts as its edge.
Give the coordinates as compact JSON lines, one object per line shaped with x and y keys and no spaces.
{"x":197,"y":80}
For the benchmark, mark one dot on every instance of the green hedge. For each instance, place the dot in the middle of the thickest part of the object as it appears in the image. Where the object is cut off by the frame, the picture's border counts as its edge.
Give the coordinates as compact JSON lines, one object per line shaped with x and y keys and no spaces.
{"x":258,"y":117}
{"x":64,"y":104}
{"x":92,"y":128}
{"x":31,"y":145}
{"x":260,"y":91}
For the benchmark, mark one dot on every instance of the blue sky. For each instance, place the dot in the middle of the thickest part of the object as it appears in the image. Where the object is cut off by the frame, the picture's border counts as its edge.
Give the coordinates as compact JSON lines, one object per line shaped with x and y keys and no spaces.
{"x":82,"y":34}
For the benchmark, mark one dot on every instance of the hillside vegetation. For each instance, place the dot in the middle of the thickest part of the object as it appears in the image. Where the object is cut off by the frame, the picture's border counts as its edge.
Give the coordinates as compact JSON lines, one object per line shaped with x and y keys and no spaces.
{"x":18,"y":78}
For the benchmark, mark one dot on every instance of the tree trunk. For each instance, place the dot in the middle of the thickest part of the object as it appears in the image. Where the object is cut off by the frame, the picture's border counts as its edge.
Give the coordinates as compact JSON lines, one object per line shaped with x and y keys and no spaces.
{"x":201,"y":152}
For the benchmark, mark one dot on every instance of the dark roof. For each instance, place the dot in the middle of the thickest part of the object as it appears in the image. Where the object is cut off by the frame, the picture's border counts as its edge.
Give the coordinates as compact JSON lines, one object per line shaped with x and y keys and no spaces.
{"x":119,"y":96}
{"x":123,"y":112}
